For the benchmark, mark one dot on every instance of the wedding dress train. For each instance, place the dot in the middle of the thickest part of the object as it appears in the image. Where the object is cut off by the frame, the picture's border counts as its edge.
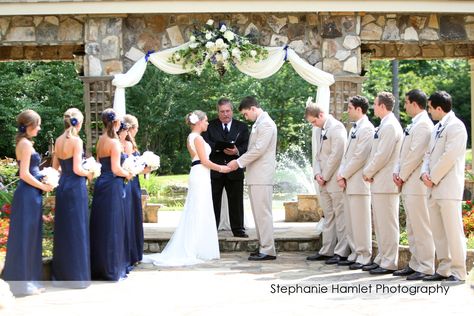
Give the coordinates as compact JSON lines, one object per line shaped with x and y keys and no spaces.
{"x":195,"y":239}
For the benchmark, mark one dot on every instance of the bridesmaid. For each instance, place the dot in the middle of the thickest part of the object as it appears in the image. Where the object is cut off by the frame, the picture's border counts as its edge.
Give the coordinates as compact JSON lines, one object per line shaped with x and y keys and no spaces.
{"x":137,"y":219}
{"x":107,"y":223}
{"x":127,"y":201}
{"x":23,"y":263}
{"x":71,"y":255}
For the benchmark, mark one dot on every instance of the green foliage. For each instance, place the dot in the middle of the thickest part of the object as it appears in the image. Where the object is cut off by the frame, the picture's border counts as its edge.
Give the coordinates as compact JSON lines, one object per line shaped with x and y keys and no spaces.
{"x":427,"y":75}
{"x":48,"y":88}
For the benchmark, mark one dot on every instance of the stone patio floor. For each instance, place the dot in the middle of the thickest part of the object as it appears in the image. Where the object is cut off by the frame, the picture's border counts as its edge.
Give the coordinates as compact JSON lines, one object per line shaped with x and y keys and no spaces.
{"x":235,"y":286}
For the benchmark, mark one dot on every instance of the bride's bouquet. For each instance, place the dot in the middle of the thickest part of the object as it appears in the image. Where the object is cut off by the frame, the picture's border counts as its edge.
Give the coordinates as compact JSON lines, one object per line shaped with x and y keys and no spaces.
{"x":149,"y":159}
{"x":90,"y":164}
{"x":50,"y":176}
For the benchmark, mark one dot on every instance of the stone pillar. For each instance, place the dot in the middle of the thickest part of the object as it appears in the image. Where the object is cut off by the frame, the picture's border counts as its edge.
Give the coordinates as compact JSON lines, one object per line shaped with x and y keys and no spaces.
{"x":103,"y":46}
{"x":471,"y":63}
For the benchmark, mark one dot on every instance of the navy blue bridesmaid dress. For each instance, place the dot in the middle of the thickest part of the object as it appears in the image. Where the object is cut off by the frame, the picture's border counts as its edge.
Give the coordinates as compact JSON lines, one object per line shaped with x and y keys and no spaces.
{"x":23,"y":263}
{"x":109,"y":260}
{"x":71,"y":254}
{"x":137,"y":219}
{"x":129,"y":228}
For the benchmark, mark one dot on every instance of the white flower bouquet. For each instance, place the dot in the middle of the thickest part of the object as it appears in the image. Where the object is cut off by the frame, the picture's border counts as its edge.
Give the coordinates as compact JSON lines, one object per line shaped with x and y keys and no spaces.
{"x":50,"y":176}
{"x":133,"y":164}
{"x":90,"y":164}
{"x":151,"y":160}
{"x":218,"y":44}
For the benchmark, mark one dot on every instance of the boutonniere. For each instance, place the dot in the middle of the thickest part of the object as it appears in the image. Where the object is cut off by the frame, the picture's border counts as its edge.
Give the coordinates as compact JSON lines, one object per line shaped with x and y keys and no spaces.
{"x":353,"y":134}
{"x":407,"y":130}
{"x":376,"y":135}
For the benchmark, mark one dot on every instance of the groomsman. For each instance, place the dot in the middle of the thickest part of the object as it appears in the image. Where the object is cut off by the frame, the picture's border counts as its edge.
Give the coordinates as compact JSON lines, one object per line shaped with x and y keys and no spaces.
{"x":357,"y":191}
{"x":407,"y":176}
{"x":260,"y":161}
{"x":443,"y":174}
{"x":226,"y":129}
{"x":379,"y":172}
{"x":332,"y":139}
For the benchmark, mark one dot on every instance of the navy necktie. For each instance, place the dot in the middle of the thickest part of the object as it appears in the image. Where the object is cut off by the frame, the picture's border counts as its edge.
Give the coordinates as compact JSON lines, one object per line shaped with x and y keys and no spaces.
{"x":226,"y":130}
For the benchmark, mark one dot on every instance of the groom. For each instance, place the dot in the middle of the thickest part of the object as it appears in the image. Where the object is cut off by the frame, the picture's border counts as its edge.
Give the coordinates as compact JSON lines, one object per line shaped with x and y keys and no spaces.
{"x":260,"y":161}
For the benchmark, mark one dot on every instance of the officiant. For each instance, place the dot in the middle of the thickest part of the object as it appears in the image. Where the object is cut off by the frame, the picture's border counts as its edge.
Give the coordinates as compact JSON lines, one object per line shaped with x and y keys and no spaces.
{"x":228,"y":139}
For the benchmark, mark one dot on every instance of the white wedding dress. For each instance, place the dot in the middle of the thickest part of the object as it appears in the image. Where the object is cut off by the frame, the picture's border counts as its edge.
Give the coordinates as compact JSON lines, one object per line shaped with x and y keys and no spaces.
{"x":195,"y":239}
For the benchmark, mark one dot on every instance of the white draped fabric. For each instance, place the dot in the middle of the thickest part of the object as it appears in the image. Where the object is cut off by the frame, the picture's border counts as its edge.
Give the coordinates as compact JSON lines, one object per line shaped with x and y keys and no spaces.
{"x":262,"y":69}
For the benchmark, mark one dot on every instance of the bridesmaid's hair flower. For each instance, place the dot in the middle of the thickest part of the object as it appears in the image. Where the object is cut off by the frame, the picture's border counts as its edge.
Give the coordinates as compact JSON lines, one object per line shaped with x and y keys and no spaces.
{"x":74,"y":121}
{"x":111,"y":117}
{"x":22,"y":128}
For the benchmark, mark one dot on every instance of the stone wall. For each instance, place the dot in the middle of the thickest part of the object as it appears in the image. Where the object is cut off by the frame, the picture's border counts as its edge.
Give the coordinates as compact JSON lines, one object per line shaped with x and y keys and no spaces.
{"x":334,"y":42}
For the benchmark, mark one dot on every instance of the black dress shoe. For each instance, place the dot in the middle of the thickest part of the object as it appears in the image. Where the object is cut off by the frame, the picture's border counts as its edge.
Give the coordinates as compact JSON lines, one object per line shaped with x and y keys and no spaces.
{"x":416,"y":276}
{"x":404,"y":272}
{"x":371,"y":266}
{"x":381,"y":270}
{"x":345,"y":263}
{"x":317,"y":257}
{"x":452,"y":280}
{"x":334,"y":259}
{"x":434,"y":277}
{"x":262,"y":257}
{"x":241,"y":235}
{"x":356,"y":266}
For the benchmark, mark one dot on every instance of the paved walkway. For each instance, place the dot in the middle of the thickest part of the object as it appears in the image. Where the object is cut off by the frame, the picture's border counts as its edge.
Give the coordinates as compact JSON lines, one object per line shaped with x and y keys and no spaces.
{"x":236,"y":286}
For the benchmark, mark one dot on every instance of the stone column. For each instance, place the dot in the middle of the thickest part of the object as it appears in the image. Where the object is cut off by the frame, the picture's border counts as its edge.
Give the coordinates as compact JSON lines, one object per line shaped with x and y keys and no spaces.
{"x":471,"y":62}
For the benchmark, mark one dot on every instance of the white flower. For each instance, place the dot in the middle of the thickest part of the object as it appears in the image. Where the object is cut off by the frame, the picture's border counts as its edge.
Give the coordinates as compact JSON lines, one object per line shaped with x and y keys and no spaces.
{"x":223,"y":28}
{"x":253,"y":53}
{"x":90,"y":164}
{"x":210,"y":45}
{"x":192,"y":38}
{"x":219,"y":57}
{"x":193,"y":45}
{"x":220,"y":43}
{"x":193,"y":118}
{"x":177,"y":56}
{"x":225,"y":54}
{"x":133,"y":165}
{"x":150,"y":159}
{"x":229,"y":35}
{"x":50,"y":176}
{"x":208,"y":35}
{"x":210,"y":22}
{"x":236,"y":52}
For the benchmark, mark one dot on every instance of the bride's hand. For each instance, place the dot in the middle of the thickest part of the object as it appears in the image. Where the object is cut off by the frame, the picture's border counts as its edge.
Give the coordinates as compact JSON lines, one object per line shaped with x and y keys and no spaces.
{"x":224,"y":169}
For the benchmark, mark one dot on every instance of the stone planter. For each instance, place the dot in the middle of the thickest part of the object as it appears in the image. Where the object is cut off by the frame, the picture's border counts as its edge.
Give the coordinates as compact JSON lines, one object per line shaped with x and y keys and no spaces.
{"x":307,"y":209}
{"x":151,"y":213}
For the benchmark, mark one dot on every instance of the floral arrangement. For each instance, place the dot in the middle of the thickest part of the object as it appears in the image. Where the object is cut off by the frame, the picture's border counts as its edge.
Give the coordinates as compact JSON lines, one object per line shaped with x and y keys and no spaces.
{"x":133,"y":165}
{"x":468,"y":218}
{"x":219,"y":45}
{"x":90,"y":164}
{"x":149,"y":159}
{"x":50,"y":176}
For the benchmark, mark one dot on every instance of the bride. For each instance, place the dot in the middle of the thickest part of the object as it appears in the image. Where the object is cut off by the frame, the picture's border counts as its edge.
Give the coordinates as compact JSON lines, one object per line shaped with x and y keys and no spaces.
{"x":195,"y":239}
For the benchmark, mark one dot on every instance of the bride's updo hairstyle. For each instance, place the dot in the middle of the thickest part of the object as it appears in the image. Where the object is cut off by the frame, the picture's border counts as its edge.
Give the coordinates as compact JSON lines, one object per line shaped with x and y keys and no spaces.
{"x":108,"y":119}
{"x":72,"y":119}
{"x":194,"y":117}
{"x":23,"y":120}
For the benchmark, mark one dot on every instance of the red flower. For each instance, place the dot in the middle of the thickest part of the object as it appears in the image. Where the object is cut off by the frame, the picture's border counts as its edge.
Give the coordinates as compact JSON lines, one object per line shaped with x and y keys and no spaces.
{"x":469,"y":202}
{"x":6,"y":208}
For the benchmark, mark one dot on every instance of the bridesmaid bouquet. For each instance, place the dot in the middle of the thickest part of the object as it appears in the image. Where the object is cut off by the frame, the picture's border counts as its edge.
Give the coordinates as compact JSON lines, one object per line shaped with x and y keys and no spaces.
{"x":132,"y":164}
{"x":90,"y":164}
{"x":151,"y":160}
{"x":50,"y":176}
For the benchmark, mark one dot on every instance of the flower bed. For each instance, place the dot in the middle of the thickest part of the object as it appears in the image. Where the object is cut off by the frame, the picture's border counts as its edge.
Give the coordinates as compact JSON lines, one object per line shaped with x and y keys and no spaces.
{"x":468,"y":218}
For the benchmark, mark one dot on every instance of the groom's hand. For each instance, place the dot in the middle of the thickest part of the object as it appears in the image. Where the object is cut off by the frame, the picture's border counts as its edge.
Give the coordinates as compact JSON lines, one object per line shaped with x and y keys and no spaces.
{"x":233,"y":165}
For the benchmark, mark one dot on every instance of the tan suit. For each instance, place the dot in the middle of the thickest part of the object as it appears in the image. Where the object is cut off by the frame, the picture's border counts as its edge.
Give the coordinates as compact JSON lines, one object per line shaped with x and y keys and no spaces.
{"x":357,"y":193}
{"x":444,"y":162}
{"x":414,"y":146}
{"x":260,"y":161}
{"x":332,"y":142}
{"x":385,"y":198}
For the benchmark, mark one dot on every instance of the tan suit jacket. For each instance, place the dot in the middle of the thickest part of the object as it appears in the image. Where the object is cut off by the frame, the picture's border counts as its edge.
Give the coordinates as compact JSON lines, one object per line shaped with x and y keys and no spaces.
{"x":329,"y":152}
{"x":414,"y":147}
{"x":444,"y":161}
{"x":359,"y":143}
{"x":260,"y":158}
{"x":384,"y":156}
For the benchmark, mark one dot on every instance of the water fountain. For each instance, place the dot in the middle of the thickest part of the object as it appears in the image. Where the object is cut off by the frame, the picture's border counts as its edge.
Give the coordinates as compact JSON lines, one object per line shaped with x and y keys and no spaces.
{"x":295,"y":174}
